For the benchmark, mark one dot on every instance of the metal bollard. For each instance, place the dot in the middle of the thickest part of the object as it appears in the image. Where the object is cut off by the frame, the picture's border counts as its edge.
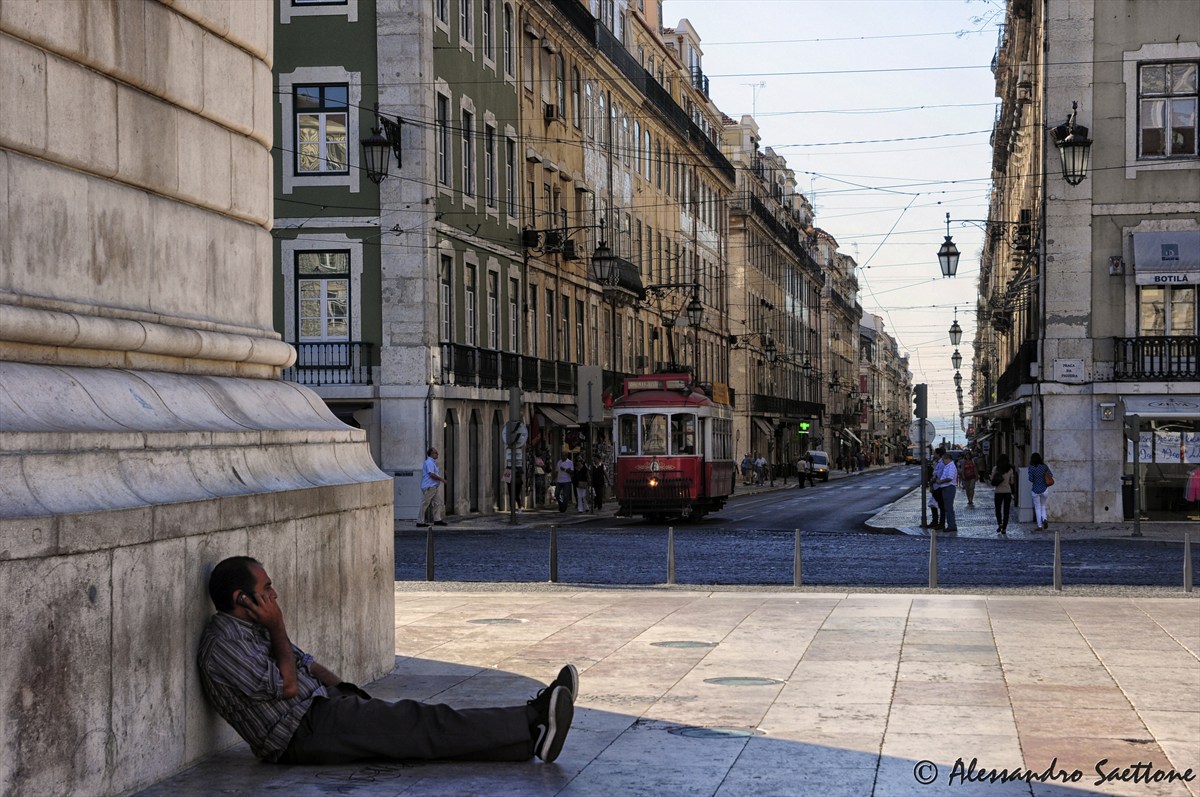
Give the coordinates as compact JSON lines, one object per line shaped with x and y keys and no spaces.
{"x":933,"y":558}
{"x":1057,"y":562}
{"x":1187,"y":561}
{"x":554,"y":554}
{"x":429,"y":554}
{"x":796,"y":562}
{"x":670,"y":554}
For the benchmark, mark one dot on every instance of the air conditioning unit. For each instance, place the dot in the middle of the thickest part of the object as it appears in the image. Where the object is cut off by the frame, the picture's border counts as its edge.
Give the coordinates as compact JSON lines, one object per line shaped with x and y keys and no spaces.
{"x":551,"y":111}
{"x":568,"y":251}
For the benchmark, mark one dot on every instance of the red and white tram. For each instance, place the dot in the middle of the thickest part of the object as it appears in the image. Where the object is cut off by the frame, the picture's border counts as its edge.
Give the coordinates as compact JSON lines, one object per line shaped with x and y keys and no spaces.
{"x":674,"y":448}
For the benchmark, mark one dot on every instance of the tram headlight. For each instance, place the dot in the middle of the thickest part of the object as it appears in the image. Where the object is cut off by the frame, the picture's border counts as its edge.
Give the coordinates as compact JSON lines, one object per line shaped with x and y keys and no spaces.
{"x":653,"y":481}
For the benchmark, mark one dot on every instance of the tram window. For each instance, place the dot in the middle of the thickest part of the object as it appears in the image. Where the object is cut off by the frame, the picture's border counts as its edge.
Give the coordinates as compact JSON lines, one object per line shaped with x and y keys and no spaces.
{"x":683,"y":434}
{"x":627,"y":431}
{"x":654,"y":434}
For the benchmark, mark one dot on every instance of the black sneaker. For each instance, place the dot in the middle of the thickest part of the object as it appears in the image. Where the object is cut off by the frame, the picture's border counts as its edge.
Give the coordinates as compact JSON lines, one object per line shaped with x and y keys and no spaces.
{"x":553,"y":732}
{"x":440,"y":523}
{"x":568,"y":676}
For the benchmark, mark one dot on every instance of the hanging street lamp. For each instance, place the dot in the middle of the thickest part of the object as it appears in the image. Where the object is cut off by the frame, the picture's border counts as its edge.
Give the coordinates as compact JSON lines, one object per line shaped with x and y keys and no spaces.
{"x":948,"y":253}
{"x":1074,"y":147}
{"x":956,"y":360}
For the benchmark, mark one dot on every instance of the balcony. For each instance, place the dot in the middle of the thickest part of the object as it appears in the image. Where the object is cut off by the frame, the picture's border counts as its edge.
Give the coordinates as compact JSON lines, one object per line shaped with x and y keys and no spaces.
{"x":319,"y":364}
{"x":470,"y":366}
{"x":1017,"y":372}
{"x":760,"y":404}
{"x":1160,"y":358}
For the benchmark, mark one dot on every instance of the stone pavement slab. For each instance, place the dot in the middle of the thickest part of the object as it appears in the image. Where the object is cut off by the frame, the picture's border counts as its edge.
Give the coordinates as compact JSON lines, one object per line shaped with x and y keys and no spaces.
{"x":831,"y":694}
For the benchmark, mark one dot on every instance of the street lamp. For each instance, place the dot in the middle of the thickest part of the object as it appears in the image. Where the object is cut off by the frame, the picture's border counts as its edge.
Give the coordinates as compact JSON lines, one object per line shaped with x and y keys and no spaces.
{"x":958,"y":380}
{"x":772,"y":352}
{"x":695,"y":311}
{"x":604,"y":265}
{"x":948,"y":253}
{"x":955,"y":330}
{"x":1074,"y":147}
{"x":807,"y":367}
{"x":379,"y":146}
{"x":956,"y":360}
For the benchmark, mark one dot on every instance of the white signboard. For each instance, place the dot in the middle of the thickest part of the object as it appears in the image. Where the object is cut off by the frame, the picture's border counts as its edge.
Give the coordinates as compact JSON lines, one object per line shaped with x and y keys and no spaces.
{"x":1070,"y":371}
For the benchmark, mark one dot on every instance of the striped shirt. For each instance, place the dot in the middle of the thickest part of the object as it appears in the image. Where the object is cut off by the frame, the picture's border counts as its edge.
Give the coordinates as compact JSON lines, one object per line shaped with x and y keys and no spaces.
{"x":241,"y":679}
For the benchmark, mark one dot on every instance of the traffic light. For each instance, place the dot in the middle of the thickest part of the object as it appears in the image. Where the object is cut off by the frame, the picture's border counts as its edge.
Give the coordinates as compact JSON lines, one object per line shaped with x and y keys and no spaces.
{"x":921,"y":400}
{"x":804,"y":428}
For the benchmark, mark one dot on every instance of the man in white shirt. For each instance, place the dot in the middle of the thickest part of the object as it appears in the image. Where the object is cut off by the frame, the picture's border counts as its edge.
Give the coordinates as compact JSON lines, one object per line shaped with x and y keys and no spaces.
{"x":945,"y":479}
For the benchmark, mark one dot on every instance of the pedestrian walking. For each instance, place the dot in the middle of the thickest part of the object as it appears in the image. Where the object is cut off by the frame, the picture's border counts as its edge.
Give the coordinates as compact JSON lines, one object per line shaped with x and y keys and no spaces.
{"x":1002,"y":481}
{"x":539,"y":479}
{"x":969,"y":476}
{"x":580,"y":478}
{"x":947,"y":480}
{"x":747,"y":467}
{"x":431,"y":488}
{"x":1041,"y":477}
{"x":804,"y":470}
{"x":564,"y":480}
{"x":760,"y":469}
{"x":599,"y":476}
{"x":513,"y":492}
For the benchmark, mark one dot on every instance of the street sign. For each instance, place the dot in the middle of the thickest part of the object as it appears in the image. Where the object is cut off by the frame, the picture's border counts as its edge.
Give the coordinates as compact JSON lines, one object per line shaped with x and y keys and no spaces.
{"x":514,"y":434}
{"x":589,"y":401}
{"x":914,"y":433}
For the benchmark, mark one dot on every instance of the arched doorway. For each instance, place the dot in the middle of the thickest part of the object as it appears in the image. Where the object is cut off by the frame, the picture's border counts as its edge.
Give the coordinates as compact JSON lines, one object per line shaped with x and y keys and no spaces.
{"x":474,"y":477}
{"x":450,"y":460}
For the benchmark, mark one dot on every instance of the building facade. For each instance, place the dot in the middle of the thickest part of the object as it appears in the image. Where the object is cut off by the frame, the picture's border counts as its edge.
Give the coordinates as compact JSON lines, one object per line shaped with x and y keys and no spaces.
{"x":1087,"y":351}
{"x":563,"y":196}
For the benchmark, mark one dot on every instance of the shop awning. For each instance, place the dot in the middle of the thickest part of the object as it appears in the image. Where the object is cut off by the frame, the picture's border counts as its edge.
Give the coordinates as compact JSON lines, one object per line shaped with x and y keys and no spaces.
{"x":559,"y":416}
{"x":1178,"y":407}
{"x":996,"y":409}
{"x":851,"y":436}
{"x":763,"y":426}
{"x":1166,"y":257}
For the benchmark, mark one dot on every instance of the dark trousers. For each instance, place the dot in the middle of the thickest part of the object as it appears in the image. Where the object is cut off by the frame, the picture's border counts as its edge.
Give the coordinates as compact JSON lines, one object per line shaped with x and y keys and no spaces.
{"x":344,"y":728}
{"x":1003,"y":506}
{"x":937,"y":497}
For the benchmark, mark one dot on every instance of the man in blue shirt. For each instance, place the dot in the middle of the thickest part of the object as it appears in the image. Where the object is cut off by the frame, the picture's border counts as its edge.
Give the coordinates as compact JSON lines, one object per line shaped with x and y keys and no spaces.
{"x":292,"y":710}
{"x":431,"y":486}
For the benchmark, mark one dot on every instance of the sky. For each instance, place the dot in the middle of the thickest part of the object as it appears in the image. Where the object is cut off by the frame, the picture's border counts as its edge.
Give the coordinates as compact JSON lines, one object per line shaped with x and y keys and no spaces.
{"x":883,"y":109}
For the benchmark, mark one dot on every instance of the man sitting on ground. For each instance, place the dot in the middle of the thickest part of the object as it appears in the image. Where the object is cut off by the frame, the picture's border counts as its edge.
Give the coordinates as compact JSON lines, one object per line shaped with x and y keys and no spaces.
{"x":292,"y":710}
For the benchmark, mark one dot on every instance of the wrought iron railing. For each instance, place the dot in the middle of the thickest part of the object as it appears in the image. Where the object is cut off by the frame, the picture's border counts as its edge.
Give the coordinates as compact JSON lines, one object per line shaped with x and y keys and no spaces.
{"x":1168,"y":358}
{"x":1018,"y":372}
{"x":325,"y":363}
{"x":475,"y":367}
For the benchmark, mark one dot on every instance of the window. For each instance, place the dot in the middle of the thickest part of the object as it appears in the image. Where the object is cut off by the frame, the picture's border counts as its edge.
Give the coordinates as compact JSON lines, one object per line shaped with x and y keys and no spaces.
{"x":533,"y":324}
{"x":514,"y":317}
{"x":564,"y":339}
{"x":321,"y":124}
{"x":442,"y":9}
{"x":508,"y":41}
{"x":527,"y":62}
{"x":443,"y":139}
{"x":487,"y":31}
{"x":493,"y":311}
{"x":468,"y":155}
{"x":446,"y":298}
{"x":560,"y":84}
{"x":465,"y":22}
{"x":1167,"y":95}
{"x":593,"y":312}
{"x":469,"y":310}
{"x":510,"y":175}
{"x":654,"y":434}
{"x":1166,"y":311}
{"x":323,"y":296}
{"x":576,"y":112}
{"x":590,"y":113}
{"x":579,"y":331}
{"x":489,"y":165}
{"x":550,"y":330}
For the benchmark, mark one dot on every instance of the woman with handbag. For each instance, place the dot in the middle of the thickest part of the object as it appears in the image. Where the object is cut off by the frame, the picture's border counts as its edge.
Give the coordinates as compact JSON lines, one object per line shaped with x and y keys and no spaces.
{"x":1002,"y":480}
{"x":1041,"y":477}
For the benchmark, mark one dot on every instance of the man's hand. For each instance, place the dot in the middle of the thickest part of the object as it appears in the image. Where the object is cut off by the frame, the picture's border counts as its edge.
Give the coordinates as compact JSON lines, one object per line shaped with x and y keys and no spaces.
{"x":264,"y":609}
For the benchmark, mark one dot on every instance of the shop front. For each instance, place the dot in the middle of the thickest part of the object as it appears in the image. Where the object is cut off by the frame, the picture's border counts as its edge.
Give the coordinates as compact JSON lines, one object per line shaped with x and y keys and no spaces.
{"x":1162,"y":457}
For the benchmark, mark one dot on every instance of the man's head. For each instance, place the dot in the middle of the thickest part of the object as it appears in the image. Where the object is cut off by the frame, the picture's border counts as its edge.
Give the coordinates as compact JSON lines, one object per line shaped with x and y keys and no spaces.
{"x":946,"y":456}
{"x":432,"y":452}
{"x":232,"y":578}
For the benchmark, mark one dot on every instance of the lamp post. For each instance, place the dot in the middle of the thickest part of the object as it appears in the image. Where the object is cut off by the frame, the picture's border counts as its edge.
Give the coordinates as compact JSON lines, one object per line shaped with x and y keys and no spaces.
{"x":379,"y":146}
{"x":956,"y":360}
{"x":955,"y":331}
{"x":1074,"y":148}
{"x":948,"y":253}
